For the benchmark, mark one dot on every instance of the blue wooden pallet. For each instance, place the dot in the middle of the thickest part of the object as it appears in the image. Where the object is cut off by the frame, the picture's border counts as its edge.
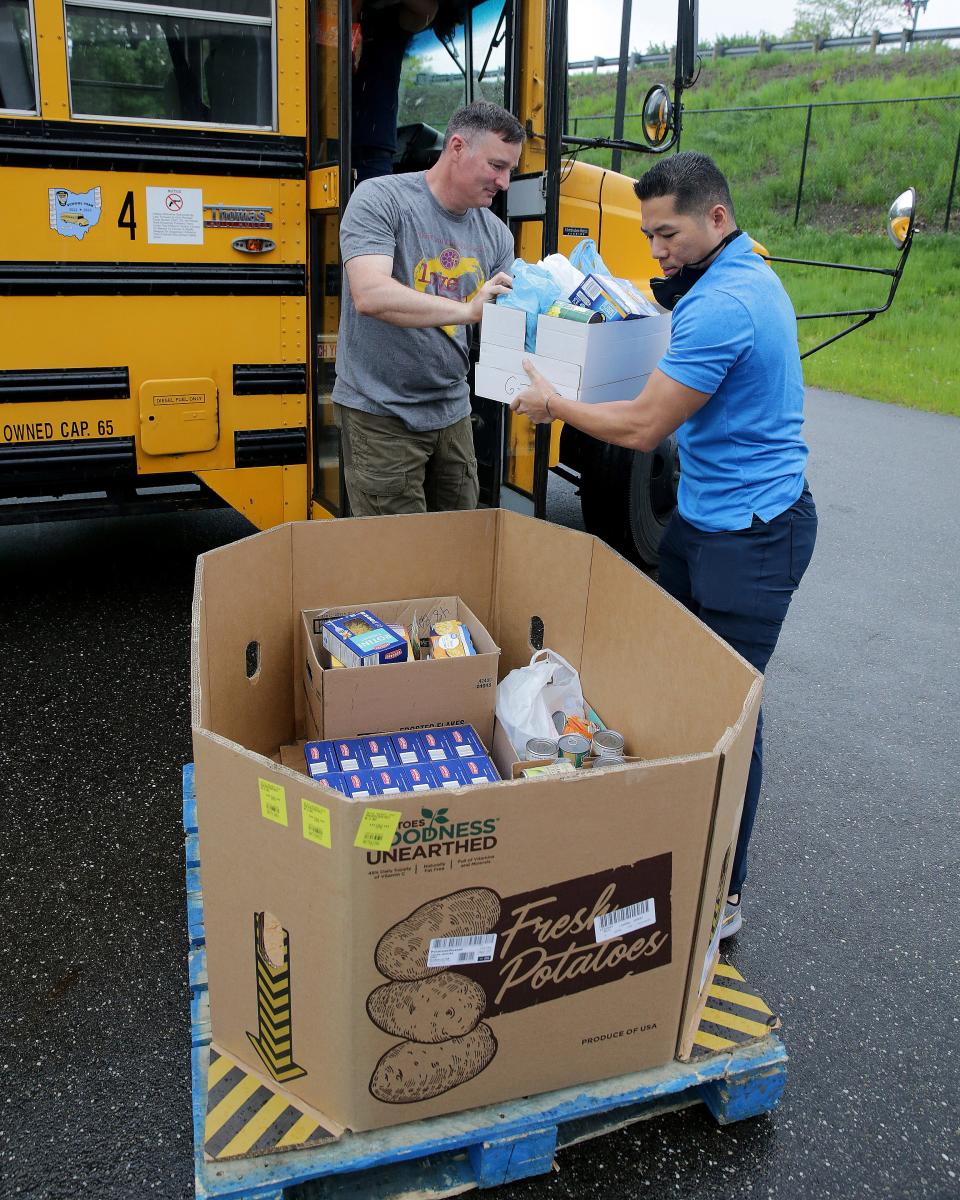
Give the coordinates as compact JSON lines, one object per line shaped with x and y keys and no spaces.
{"x":483,"y":1147}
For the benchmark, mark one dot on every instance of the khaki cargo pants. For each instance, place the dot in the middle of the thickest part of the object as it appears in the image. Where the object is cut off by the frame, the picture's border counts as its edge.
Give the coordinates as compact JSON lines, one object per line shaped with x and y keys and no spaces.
{"x":390,"y":469}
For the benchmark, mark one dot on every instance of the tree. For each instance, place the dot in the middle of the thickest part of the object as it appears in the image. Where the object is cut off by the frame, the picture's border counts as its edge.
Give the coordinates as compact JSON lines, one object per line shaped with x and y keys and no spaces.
{"x":841,"y":18}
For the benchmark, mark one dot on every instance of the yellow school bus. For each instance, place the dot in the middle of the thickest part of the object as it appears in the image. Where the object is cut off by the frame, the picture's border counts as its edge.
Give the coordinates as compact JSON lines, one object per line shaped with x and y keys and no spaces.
{"x":173,"y":175}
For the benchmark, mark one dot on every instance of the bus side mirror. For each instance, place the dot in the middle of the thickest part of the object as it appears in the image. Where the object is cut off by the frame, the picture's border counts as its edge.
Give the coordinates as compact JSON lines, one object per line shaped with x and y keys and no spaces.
{"x":900,"y":218}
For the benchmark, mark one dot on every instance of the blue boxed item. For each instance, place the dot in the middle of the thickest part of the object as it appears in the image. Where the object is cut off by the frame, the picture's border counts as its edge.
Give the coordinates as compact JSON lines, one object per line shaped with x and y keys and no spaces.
{"x":602,"y":295}
{"x":437,"y":745}
{"x":379,"y":751}
{"x":409,"y":748}
{"x":420,"y":776}
{"x":390,"y":780}
{"x":464,"y":741}
{"x":321,"y":759}
{"x":359,"y":784}
{"x":334,"y":781}
{"x":478,"y":770}
{"x":352,"y":754}
{"x":376,"y":644}
{"x":448,"y":774}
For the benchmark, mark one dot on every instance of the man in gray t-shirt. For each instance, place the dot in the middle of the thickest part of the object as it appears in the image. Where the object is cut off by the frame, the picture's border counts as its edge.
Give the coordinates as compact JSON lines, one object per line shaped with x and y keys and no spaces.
{"x":422,"y":254}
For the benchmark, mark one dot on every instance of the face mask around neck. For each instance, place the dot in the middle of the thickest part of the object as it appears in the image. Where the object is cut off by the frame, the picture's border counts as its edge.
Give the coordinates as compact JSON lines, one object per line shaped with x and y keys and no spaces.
{"x":667,"y":292}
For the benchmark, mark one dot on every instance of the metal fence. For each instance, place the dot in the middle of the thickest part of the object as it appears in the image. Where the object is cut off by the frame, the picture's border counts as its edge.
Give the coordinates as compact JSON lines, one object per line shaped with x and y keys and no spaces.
{"x":830,"y":164}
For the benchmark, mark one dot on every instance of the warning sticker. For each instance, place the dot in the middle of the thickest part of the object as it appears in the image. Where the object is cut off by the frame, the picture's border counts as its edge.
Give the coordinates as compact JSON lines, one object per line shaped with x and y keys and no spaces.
{"x":175,"y":216}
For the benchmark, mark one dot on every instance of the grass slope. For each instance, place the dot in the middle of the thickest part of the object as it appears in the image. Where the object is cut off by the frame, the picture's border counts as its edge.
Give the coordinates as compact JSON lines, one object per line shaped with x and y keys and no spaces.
{"x":858,"y":160}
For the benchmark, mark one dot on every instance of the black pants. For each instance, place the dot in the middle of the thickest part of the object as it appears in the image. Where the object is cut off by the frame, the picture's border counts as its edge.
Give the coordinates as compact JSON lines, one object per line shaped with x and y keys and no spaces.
{"x":741,"y":585}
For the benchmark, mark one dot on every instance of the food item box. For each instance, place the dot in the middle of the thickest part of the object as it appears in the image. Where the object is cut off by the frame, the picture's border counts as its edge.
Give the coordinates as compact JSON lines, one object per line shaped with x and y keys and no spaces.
{"x":590,"y":363}
{"x":396,"y":697}
{"x":447,"y":951}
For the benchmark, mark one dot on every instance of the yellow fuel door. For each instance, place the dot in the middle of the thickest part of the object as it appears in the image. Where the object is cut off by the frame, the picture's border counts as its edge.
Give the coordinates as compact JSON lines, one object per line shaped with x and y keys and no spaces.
{"x":178,"y":416}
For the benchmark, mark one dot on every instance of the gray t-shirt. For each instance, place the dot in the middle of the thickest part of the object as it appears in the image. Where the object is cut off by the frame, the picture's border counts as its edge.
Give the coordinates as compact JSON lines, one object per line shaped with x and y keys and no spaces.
{"x":418,"y":375}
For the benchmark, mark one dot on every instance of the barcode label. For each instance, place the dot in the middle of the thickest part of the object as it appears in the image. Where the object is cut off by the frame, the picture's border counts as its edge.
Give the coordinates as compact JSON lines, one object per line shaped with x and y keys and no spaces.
{"x":465,"y":751}
{"x":625,"y":920}
{"x":457,"y":951}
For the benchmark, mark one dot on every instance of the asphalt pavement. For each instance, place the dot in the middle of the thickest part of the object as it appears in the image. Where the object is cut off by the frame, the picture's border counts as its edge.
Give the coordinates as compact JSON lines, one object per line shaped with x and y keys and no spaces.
{"x":850,"y":912}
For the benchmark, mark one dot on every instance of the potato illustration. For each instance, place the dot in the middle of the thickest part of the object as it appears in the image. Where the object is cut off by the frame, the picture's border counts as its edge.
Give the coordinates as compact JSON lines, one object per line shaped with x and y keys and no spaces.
{"x":402,"y":951}
{"x":412,"y":1071}
{"x":428,"y":1010}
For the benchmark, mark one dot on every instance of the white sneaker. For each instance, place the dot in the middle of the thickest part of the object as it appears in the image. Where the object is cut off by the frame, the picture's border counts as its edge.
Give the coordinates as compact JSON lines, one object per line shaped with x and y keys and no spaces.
{"x":732,"y":919}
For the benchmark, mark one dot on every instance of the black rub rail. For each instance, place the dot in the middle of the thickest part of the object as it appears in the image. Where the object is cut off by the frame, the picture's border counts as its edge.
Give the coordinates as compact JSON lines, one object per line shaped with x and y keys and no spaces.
{"x":270,"y":447}
{"x":150,"y":279}
{"x":269,"y":379}
{"x":83,"y":383}
{"x":81,"y":146}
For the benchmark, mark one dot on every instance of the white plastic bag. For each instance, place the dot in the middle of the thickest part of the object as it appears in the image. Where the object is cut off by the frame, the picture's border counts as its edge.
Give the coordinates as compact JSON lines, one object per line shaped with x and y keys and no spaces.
{"x":564,"y":272}
{"x":528,"y":697}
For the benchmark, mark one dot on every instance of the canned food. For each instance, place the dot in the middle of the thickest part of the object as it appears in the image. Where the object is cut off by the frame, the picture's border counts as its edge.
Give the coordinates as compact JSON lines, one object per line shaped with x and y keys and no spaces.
{"x":573,"y":312}
{"x":608,"y":760}
{"x":538,"y":747}
{"x":606,"y":741}
{"x":574,"y":747}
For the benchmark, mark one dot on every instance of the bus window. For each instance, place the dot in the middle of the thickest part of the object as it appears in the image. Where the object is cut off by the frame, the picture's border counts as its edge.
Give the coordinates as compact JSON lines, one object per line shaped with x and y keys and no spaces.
{"x":17,"y":87}
{"x":431,"y":83}
{"x":489,"y":58}
{"x":148,"y":63}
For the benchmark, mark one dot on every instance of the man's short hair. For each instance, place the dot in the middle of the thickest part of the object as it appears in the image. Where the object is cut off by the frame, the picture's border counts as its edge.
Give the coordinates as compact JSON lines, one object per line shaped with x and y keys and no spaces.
{"x":483,"y":117}
{"x":694,"y":181}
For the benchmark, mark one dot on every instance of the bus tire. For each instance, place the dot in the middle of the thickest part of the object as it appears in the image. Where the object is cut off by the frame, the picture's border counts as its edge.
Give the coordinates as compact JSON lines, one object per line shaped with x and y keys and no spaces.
{"x":653,"y":497}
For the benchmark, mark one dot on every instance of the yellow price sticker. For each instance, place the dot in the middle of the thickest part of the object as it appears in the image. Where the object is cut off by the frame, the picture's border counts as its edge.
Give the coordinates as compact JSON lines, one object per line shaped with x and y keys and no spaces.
{"x":316,"y":822}
{"x":273,"y":801}
{"x":377,"y":828}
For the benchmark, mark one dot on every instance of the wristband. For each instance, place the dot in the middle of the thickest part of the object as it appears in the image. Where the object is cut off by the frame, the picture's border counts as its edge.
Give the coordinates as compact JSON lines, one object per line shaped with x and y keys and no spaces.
{"x":546,"y":405}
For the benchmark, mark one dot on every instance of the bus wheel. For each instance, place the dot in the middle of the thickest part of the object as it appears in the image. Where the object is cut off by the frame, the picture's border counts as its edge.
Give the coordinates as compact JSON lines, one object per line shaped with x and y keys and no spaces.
{"x":605,"y":492}
{"x":653,"y":497}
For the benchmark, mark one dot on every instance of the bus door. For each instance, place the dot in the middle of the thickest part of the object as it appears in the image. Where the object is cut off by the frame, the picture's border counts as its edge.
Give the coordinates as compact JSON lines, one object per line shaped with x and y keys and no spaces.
{"x":444,"y":67}
{"x":153,"y":274}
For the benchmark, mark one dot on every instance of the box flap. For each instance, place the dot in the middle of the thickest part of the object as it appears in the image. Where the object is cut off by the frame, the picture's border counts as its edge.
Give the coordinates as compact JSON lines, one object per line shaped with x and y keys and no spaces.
{"x":244,"y":605}
{"x":433,"y":554}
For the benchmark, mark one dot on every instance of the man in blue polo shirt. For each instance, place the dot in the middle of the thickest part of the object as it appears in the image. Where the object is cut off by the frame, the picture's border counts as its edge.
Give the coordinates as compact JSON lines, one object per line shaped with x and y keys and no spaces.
{"x":731,"y":387}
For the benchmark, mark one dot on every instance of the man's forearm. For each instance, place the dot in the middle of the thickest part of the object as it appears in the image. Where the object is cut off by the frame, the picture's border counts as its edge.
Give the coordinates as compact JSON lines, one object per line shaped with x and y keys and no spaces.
{"x":624,"y":423}
{"x":393,"y":302}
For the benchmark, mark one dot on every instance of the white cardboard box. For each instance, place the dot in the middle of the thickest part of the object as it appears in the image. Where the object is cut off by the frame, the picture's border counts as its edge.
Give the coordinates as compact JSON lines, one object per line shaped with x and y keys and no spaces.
{"x":590,"y":363}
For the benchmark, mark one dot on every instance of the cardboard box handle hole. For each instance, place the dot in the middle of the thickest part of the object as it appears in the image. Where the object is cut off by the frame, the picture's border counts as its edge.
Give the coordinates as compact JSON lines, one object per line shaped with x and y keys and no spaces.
{"x":536,"y":633}
{"x":253,"y":659}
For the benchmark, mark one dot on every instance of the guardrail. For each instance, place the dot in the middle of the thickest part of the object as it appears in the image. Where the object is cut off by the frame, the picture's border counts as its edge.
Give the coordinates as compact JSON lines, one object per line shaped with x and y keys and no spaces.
{"x":902,"y":37}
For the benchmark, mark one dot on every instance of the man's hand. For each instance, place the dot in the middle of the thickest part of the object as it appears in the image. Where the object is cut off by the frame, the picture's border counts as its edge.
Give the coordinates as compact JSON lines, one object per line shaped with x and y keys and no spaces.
{"x":533,"y":401}
{"x":499,"y":285}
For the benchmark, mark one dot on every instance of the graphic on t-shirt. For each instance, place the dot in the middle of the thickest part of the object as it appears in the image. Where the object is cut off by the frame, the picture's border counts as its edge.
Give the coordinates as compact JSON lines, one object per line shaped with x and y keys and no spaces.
{"x":451,"y":275}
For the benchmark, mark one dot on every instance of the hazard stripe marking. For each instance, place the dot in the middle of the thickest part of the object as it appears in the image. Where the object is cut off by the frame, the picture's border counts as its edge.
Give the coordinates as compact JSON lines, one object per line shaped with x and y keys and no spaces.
{"x":710,"y":1041}
{"x":744,"y":999}
{"x":732,"y":1015}
{"x":246,"y":1117}
{"x":219,"y":1114}
{"x":225,"y":1085}
{"x":250,"y":1131}
{"x":729,"y":1020}
{"x":299,"y":1133}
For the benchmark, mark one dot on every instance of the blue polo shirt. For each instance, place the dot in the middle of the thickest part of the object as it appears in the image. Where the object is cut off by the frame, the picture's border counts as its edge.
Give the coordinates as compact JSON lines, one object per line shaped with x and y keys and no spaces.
{"x":734,"y":336}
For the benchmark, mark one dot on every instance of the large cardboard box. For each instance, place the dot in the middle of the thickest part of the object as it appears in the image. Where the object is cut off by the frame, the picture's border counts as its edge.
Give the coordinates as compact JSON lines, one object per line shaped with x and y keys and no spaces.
{"x":591,"y":363}
{"x":352,"y":702}
{"x":322,"y":913}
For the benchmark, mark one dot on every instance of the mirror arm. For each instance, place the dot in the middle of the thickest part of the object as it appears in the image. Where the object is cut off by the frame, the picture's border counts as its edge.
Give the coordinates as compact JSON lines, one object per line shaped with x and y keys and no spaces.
{"x":868,"y":314}
{"x":837,"y":336}
{"x":809,"y":262}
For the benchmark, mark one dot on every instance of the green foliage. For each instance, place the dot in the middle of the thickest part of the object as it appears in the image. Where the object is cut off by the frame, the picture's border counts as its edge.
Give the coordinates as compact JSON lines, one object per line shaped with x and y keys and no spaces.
{"x":859,"y":159}
{"x":845,"y":18}
{"x":909,"y":355}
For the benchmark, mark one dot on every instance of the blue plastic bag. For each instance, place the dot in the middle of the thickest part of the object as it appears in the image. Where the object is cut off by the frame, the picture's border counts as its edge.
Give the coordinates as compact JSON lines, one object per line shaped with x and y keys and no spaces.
{"x":586,"y":258}
{"x":534,"y":290}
